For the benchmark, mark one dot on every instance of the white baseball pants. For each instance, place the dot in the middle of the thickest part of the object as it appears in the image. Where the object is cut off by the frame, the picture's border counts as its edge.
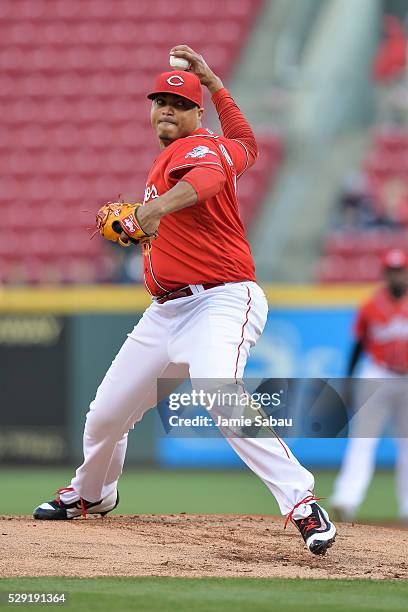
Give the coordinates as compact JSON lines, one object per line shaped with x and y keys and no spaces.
{"x":387,"y":404}
{"x":208,"y":336}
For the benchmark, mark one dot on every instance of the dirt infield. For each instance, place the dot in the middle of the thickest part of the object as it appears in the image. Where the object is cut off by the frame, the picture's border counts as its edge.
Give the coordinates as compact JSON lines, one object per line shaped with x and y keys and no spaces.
{"x":194,"y":545}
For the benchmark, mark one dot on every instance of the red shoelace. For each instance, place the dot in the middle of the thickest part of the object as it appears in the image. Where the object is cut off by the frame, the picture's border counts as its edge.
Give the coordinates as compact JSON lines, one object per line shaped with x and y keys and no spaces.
{"x":308,"y":523}
{"x":309,"y":519}
{"x":68,"y":490}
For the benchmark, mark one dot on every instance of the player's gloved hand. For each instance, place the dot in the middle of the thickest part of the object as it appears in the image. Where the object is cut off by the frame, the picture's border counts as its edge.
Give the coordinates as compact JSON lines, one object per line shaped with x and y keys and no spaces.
{"x":118,"y":221}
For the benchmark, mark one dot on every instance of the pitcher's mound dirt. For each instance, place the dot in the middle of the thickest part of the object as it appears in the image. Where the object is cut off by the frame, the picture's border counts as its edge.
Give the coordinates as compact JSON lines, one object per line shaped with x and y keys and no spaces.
{"x":194,"y":545}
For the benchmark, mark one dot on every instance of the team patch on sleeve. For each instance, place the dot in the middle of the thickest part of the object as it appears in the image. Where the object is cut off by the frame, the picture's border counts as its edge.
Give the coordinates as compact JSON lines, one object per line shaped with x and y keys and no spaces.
{"x":200,"y":152}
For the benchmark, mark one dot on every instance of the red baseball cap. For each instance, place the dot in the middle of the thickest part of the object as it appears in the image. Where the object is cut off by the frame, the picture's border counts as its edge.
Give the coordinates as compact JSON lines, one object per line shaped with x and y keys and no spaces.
{"x":181,"y":83}
{"x":395,"y":258}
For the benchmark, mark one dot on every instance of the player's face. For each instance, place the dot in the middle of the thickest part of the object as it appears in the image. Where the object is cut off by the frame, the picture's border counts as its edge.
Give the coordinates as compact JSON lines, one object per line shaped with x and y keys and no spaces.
{"x":174,"y":117}
{"x":397,"y":280}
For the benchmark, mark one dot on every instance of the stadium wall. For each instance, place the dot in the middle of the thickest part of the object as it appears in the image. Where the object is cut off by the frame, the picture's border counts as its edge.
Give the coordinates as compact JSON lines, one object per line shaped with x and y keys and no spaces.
{"x":72,"y":334}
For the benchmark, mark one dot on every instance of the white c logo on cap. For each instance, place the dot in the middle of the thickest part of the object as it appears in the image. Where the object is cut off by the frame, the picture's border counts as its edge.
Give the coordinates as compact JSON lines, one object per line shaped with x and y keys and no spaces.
{"x":175,"y":80}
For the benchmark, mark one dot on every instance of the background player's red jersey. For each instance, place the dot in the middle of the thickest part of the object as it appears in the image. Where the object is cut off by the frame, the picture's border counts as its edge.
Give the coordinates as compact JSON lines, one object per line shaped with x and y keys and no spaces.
{"x":382,"y":323}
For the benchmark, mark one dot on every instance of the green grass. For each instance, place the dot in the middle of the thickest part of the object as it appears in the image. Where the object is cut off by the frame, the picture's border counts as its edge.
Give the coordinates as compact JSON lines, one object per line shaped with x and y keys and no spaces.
{"x":226,"y":594}
{"x":168,"y":492}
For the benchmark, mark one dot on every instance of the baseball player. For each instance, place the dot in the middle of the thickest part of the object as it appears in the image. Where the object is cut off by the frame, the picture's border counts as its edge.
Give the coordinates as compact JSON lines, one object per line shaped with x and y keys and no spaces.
{"x":381,"y":330}
{"x":207,"y":310}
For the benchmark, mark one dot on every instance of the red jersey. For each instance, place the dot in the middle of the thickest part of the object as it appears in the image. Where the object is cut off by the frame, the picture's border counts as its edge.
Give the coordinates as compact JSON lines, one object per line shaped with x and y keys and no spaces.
{"x":203,"y":243}
{"x":382,"y":324}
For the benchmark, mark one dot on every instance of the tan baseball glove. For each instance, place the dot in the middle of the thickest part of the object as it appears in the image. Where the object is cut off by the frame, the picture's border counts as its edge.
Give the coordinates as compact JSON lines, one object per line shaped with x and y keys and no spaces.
{"x":117,"y":221}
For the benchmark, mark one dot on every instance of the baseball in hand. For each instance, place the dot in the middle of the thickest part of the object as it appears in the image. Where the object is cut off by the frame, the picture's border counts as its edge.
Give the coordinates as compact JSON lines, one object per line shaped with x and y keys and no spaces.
{"x":179,"y":63}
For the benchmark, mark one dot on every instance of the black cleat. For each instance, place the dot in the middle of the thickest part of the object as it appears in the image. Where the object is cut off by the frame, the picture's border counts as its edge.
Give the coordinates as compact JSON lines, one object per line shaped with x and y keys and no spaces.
{"x":57,"y":510}
{"x":317,"y":530}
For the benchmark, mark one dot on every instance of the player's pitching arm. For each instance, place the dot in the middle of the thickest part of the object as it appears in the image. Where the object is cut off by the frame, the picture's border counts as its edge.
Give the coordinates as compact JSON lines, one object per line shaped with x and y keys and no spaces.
{"x":233,"y":123}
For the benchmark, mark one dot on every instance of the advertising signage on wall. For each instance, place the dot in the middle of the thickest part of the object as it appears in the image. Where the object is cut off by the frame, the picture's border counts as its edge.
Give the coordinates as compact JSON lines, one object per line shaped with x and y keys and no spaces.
{"x":33,"y":388}
{"x":297,"y":342}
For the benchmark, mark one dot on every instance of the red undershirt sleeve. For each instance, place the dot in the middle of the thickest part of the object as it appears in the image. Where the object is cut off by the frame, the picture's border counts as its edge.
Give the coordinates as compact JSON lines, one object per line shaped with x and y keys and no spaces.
{"x":233,"y":123}
{"x":206,"y":181}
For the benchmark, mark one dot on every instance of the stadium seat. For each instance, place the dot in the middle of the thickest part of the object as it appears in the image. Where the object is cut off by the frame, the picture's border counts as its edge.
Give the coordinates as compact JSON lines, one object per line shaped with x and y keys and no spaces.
{"x":391,"y":139}
{"x":68,"y":10}
{"x":330,"y":269}
{"x":58,"y":32}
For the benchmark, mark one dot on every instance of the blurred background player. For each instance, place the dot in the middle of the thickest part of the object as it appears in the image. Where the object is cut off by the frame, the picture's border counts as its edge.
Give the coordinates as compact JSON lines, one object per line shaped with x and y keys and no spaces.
{"x":381,"y":331}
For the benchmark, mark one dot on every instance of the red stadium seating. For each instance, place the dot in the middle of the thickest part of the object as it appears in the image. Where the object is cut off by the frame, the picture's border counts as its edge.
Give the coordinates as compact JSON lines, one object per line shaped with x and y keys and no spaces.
{"x":74,"y":129}
{"x":355,"y":256}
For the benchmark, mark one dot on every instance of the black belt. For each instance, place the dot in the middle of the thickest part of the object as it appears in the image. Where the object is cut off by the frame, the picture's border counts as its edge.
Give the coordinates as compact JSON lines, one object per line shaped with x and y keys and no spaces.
{"x":183,"y":292}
